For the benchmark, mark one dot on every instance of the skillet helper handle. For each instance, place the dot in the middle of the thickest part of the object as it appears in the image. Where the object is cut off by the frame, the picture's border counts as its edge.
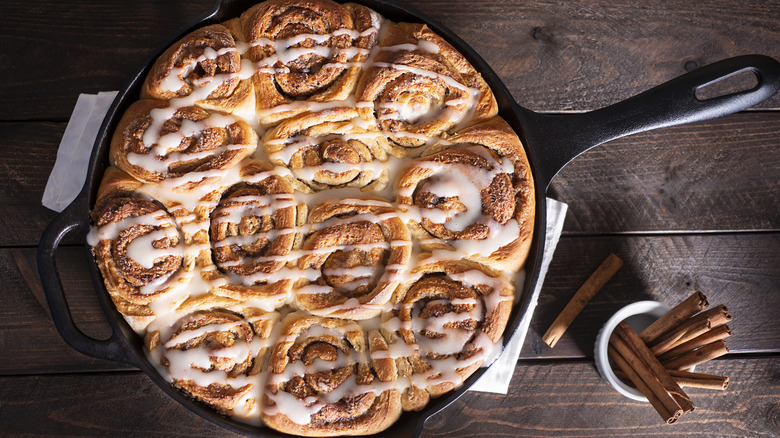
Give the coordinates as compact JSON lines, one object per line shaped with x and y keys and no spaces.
{"x":112,"y":348}
{"x":669,"y":104}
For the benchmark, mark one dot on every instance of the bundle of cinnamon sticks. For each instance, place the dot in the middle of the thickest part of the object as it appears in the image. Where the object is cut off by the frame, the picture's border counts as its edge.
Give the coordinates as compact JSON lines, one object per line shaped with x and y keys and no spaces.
{"x":656,"y":360}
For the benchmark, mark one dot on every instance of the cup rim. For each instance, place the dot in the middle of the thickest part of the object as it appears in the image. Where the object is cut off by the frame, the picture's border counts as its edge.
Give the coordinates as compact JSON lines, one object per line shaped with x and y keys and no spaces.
{"x":652,"y":308}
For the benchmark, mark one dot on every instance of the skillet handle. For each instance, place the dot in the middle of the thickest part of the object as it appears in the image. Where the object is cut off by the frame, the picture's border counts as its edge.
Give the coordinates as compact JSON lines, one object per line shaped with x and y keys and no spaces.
{"x":113,"y":348}
{"x":563,"y":137}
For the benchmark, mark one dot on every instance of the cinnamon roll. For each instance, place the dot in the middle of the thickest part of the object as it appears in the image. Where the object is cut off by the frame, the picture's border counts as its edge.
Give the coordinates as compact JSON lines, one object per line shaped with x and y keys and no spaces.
{"x":138,"y":248}
{"x":329,"y":149}
{"x":305,"y":52}
{"x":204,"y":66}
{"x":418,"y":87}
{"x":323,"y":383}
{"x":180,"y":147}
{"x":473,"y":193}
{"x":210,"y":247}
{"x":353,"y":255}
{"x":448,"y":322}
{"x":216,"y":356}
{"x":251,"y":234}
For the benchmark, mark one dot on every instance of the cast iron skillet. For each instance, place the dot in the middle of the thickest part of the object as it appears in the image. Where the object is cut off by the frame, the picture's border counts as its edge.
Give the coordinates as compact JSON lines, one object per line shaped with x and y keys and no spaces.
{"x":551,"y":141}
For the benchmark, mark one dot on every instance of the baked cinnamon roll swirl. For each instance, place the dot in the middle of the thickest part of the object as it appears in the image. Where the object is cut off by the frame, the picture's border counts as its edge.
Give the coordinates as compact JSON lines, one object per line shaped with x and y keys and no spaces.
{"x":182,"y":148}
{"x":448,"y":322}
{"x":201,"y":238}
{"x":308,"y":51}
{"x":323,"y":383}
{"x":138,"y":248}
{"x":419,"y":87}
{"x":473,"y":193}
{"x":329,"y":149}
{"x":205,"y":68}
{"x":251,"y":234}
{"x":354,"y":252}
{"x":215,"y":356}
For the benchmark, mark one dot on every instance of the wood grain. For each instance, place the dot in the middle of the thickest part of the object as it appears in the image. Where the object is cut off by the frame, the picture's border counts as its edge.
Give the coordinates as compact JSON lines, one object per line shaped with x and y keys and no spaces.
{"x":30,"y":342}
{"x":52,"y":51}
{"x":573,"y":401}
{"x":564,"y":55}
{"x":710,"y":176}
{"x":552,"y":55}
{"x":686,"y":208}
{"x":560,"y":400}
{"x":715,"y":175}
{"x":738,"y":270}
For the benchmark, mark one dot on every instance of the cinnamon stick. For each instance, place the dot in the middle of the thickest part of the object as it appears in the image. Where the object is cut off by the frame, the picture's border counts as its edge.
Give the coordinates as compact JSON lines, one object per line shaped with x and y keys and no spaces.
{"x":673,"y":318}
{"x":689,"y":379}
{"x":718,"y":315}
{"x":679,"y":335}
{"x":632,"y":340}
{"x":720,"y":332}
{"x":662,"y":403}
{"x":588,"y":290}
{"x":699,"y":380}
{"x":700,"y":355}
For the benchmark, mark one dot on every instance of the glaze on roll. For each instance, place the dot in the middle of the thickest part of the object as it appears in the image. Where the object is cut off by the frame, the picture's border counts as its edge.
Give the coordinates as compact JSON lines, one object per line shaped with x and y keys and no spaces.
{"x":205,"y":64}
{"x":354,"y":255}
{"x":322,"y":381}
{"x":313,"y":216}
{"x":473,"y":193}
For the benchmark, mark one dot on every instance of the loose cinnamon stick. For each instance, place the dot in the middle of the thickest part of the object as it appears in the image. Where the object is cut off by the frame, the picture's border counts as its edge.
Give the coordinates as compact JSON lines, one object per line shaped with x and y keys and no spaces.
{"x":720,"y":332}
{"x":632,"y":340}
{"x":588,"y":290}
{"x":673,"y":318}
{"x":689,"y":379}
{"x":662,"y":403}
{"x":695,"y":357}
{"x":680,"y":335}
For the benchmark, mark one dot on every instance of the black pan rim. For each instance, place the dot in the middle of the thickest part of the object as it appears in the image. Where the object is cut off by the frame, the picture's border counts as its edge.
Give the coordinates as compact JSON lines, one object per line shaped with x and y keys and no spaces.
{"x":509,"y":110}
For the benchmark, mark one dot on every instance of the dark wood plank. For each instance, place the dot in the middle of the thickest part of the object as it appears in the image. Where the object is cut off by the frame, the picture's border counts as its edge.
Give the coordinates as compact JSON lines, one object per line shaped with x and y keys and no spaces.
{"x":56,"y":50}
{"x":717,"y":175}
{"x":30,"y":342}
{"x":714,"y":175}
{"x":561,"y":55}
{"x":544,"y":400}
{"x":572,"y":400}
{"x":27,"y":155}
{"x":737,"y":270}
{"x":552,"y":55}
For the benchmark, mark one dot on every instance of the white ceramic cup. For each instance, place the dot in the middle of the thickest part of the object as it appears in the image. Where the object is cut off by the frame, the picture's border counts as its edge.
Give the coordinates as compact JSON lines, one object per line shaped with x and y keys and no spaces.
{"x":638,"y":315}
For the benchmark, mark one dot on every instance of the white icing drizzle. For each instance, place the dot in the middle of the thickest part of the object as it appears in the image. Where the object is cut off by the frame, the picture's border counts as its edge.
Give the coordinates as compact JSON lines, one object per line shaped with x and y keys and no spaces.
{"x":186,"y":207}
{"x":466,"y":183}
{"x":142,"y":249}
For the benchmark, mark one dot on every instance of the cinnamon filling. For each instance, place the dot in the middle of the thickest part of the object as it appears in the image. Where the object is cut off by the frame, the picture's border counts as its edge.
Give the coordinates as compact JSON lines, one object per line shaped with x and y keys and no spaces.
{"x":254,"y":229}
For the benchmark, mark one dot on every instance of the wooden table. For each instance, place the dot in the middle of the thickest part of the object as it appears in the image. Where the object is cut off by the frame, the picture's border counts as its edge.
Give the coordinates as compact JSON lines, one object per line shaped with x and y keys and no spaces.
{"x":686,"y":208}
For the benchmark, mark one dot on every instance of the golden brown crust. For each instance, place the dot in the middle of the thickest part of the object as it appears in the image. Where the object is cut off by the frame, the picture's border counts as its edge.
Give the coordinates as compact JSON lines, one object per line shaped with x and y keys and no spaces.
{"x":138,"y":248}
{"x":333,"y":352}
{"x":206,"y":344}
{"x":449,"y":316}
{"x":308,"y":70}
{"x":438,"y":186}
{"x":251,"y":235}
{"x":192,"y":63}
{"x":229,"y":238}
{"x":357,"y":251}
{"x":329,"y":149}
{"x":419,"y":87}
{"x":196,"y":142}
